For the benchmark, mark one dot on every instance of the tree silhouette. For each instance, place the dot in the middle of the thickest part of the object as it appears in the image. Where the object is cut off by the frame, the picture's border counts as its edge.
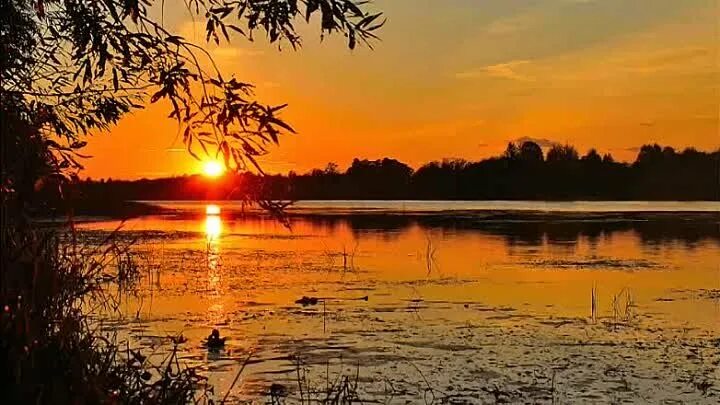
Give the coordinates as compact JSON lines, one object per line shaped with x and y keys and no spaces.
{"x":386,"y":178}
{"x":690,"y":175}
{"x":531,"y":152}
{"x":562,"y":153}
{"x":73,"y":67}
{"x":593,"y":157}
{"x":511,"y":152}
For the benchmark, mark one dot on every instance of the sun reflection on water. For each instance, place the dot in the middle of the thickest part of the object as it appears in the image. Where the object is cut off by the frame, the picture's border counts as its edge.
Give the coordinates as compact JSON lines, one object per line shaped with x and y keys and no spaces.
{"x":212,"y":209}
{"x":213,"y":231}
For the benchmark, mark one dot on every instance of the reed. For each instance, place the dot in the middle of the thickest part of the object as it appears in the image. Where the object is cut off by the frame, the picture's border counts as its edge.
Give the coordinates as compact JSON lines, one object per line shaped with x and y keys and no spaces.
{"x":593,"y":304}
{"x":52,"y":351}
{"x":430,"y":251}
{"x":624,"y":309}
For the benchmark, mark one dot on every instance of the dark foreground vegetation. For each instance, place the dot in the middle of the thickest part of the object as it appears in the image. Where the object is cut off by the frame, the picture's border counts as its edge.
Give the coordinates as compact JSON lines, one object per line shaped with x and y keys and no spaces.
{"x":72,"y":68}
{"x":524,"y":172}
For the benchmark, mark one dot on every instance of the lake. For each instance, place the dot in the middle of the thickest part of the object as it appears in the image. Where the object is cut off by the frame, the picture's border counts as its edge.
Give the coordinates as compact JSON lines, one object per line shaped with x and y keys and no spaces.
{"x":462,"y":302}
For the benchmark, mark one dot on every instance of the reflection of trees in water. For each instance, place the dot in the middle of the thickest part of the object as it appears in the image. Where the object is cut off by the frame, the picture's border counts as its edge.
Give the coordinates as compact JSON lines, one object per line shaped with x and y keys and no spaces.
{"x":650,"y":230}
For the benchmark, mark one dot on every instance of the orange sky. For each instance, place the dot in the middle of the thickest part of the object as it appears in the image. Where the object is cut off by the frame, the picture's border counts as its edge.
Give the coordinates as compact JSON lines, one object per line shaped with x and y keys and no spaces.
{"x":461,"y":78}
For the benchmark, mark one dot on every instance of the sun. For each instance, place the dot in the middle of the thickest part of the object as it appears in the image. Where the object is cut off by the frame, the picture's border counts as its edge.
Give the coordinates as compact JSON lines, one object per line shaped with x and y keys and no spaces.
{"x":213,"y":168}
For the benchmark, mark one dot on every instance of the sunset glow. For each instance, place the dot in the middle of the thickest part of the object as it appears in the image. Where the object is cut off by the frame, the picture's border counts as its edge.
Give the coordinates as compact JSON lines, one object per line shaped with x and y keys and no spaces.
{"x":487,"y":73}
{"x":213,"y":168}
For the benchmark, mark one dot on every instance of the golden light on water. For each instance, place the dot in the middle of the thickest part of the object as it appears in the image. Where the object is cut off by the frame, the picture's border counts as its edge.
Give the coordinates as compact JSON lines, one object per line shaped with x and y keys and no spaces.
{"x":213,"y":231}
{"x":213,"y":227}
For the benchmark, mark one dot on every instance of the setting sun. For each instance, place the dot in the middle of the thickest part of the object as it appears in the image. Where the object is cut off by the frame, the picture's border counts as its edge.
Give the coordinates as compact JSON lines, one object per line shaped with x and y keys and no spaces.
{"x":213,"y":168}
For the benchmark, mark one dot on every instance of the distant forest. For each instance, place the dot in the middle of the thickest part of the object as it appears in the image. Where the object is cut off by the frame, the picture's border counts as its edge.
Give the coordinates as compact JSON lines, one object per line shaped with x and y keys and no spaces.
{"x":521,"y":172}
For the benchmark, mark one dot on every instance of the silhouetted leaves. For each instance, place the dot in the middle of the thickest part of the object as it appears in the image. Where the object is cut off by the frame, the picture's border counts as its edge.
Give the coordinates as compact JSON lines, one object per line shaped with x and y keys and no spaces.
{"x":72,"y":67}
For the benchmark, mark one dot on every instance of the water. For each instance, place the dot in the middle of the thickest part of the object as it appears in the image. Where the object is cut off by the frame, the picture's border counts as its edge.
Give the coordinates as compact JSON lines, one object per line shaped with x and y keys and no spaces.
{"x":326,"y":206}
{"x":445,"y":298}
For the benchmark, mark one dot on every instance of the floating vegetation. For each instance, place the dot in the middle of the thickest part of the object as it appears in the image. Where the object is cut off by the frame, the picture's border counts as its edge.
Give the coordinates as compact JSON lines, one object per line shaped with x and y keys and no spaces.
{"x":477,"y":335}
{"x":595,"y":263}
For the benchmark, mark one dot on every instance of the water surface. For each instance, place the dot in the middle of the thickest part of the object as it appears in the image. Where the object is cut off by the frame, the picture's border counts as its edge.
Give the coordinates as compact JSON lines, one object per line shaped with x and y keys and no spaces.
{"x":465,"y":306}
{"x":354,"y":206}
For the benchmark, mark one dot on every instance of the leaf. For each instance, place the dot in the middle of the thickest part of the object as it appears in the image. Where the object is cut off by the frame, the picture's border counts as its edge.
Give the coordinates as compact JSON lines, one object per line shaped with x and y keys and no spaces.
{"x":210,"y":29}
{"x":351,"y":40}
{"x":189,"y":148}
{"x":277,"y":108}
{"x":135,"y":13}
{"x":255,"y":163}
{"x":115,"y":80}
{"x":369,"y":19}
{"x":40,"y":8}
{"x":281,"y":124}
{"x":202,"y":144}
{"x":157,"y":96}
{"x":225,"y":33}
{"x":354,"y":8}
{"x":111,"y":7}
{"x":174,"y":39}
{"x":88,"y":72}
{"x":236,"y":29}
{"x":312,"y":6}
{"x":52,"y":144}
{"x":376,"y":26}
{"x":226,"y":153}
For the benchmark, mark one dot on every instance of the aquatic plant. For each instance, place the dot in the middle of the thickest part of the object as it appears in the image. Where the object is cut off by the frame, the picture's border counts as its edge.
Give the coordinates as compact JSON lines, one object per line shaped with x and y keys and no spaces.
{"x":594,"y":304}
{"x":623,"y":306}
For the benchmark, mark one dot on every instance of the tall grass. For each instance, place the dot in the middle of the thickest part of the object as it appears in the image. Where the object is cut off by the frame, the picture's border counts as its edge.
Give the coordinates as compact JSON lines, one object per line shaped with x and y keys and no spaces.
{"x":51,"y":351}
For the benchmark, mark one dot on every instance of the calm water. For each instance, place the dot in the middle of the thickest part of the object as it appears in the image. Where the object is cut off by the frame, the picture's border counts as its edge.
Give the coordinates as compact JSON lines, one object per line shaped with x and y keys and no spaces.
{"x":475,"y":308}
{"x":450,"y":206}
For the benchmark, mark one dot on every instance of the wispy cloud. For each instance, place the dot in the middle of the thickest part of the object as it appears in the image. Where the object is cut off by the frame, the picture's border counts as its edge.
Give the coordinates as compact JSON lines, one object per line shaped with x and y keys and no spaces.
{"x":626,"y":63}
{"x":508,"y":70}
{"x":510,"y":25}
{"x":665,"y":60}
{"x":542,"y":142}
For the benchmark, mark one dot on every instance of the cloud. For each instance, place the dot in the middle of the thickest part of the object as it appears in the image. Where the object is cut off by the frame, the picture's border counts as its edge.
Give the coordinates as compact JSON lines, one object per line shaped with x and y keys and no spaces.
{"x":667,"y":59}
{"x":507,"y":70}
{"x":511,"y":25}
{"x":543,"y":142}
{"x":634,"y":62}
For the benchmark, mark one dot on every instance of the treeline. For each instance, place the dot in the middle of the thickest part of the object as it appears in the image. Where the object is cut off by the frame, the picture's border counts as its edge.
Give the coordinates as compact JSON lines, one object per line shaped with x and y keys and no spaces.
{"x":523,"y":172}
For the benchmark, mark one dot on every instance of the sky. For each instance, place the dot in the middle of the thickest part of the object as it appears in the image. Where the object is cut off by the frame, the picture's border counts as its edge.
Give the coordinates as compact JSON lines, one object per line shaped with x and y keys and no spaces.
{"x":460,"y":79}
